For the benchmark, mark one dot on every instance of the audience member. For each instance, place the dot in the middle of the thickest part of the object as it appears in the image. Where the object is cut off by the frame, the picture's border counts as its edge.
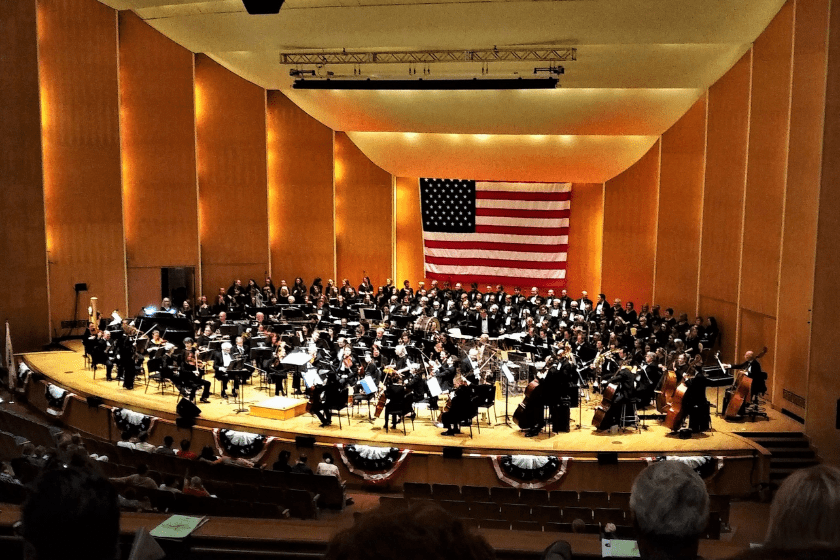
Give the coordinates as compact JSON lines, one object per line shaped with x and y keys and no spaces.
{"x":207,"y":455}
{"x":143,"y":443}
{"x":166,"y":448}
{"x":185,"y":452}
{"x":171,"y":485}
{"x":125,"y":440}
{"x":71,"y":513}
{"x":131,"y":502}
{"x":327,"y":467}
{"x":301,"y":466}
{"x":7,"y":474}
{"x":421,"y":532}
{"x":806,"y":510}
{"x":140,"y":478}
{"x":670,"y":508}
{"x":194,"y":487}
{"x":282,"y":462}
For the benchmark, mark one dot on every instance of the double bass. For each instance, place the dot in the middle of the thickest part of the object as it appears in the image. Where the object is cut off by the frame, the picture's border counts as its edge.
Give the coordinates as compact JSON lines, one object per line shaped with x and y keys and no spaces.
{"x":520,"y":416}
{"x":742,"y":392}
{"x":676,"y":414}
{"x":666,"y":392}
{"x":606,"y":402}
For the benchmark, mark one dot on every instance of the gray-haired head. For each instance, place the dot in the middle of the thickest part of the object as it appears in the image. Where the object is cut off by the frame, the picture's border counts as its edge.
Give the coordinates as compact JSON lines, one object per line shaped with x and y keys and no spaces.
{"x":670,"y":499}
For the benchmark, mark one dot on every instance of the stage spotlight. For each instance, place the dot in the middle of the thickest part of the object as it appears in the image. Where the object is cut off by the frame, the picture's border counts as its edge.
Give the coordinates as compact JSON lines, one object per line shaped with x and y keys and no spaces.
{"x":262,"y":7}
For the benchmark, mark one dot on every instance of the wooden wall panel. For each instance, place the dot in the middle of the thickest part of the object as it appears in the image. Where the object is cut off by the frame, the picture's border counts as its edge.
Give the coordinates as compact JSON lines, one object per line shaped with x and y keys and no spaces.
{"x":681,"y":211}
{"x":22,"y":236}
{"x":823,"y":381}
{"x":300,"y":182}
{"x":796,"y":281}
{"x":81,"y":136}
{"x":586,"y":228}
{"x":630,"y":202}
{"x":232,"y":176}
{"x":766,"y":175}
{"x":157,"y":125}
{"x":363,"y":215}
{"x":765,"y":188}
{"x":409,"y":232}
{"x":723,"y":197}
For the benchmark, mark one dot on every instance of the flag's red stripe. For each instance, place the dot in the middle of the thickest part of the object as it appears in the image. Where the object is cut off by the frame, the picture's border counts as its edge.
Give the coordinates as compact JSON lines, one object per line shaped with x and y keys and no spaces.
{"x":513,"y":230}
{"x":497,"y":263}
{"x":490,"y":246}
{"x":507,"y":281}
{"x":521,"y":213}
{"x":522,"y":195}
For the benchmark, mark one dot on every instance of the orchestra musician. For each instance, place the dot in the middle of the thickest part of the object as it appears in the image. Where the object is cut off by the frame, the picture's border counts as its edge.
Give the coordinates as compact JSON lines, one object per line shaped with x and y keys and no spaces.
{"x":460,"y":406}
{"x":191,"y":378}
{"x":222,"y":359}
{"x":753,"y":368}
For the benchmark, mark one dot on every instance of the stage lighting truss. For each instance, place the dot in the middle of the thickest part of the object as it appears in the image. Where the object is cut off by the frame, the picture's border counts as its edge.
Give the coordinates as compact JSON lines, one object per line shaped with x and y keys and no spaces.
{"x":564,"y":54}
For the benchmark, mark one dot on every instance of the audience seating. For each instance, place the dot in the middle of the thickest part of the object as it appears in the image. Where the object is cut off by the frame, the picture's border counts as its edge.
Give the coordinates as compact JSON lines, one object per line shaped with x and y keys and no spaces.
{"x":537,"y":510}
{"x":593,"y":500}
{"x":446,"y":492}
{"x":38,"y":434}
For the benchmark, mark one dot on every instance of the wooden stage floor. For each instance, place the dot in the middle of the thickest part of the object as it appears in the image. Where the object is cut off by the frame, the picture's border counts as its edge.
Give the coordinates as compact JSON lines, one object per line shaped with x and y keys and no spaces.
{"x":67,"y":369}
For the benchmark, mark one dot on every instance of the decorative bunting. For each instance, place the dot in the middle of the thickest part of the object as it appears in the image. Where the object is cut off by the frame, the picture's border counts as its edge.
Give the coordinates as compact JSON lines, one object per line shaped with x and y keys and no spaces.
{"x":376,"y":465}
{"x":705,"y":465}
{"x":241,"y":444}
{"x":529,"y":471}
{"x":57,"y":399}
{"x":132,"y":422}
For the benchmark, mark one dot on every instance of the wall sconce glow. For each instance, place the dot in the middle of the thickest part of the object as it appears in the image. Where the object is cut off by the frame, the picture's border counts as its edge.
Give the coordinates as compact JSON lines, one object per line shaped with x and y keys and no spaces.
{"x":481,"y":137}
{"x":199,"y":103}
{"x":411,"y":136}
{"x":338,"y":170}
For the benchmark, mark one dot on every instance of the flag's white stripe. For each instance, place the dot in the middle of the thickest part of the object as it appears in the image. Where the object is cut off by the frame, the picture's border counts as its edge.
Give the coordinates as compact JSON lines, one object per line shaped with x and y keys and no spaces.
{"x":523,"y":187}
{"x":484,"y":254}
{"x":521,"y":222}
{"x":556,"y":274}
{"x":522,"y":204}
{"x":497,"y":238}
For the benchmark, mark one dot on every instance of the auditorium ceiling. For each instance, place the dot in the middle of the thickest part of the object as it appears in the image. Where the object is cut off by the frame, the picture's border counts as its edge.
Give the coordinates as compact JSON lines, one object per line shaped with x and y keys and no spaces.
{"x":640,"y":64}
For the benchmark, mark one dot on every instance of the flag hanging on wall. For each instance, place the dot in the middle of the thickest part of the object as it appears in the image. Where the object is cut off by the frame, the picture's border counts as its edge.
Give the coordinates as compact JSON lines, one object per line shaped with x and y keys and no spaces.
{"x":495,"y":233}
{"x":9,"y":362}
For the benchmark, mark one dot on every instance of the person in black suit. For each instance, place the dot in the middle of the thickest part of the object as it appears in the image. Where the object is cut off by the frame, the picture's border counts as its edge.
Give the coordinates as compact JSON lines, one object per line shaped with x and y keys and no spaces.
{"x":190,"y":380}
{"x":584,"y":303}
{"x":486,"y":324}
{"x":395,"y":407}
{"x":754,"y":372}
{"x":222,"y":359}
{"x":459,"y":409}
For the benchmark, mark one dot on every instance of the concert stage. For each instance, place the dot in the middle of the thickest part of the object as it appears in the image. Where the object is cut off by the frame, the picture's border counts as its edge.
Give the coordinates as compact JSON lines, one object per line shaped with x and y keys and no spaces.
{"x":745,"y":464}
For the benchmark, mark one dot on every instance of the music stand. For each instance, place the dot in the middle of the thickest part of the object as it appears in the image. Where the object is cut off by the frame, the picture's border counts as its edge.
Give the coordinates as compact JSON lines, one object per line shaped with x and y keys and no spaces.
{"x":235,"y":369}
{"x":509,"y":380}
{"x":298,"y":360}
{"x":371,"y":314}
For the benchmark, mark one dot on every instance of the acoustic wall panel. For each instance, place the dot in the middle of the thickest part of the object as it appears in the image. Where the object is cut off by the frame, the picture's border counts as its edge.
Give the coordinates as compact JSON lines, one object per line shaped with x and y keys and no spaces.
{"x":409,"y":231}
{"x":586,"y":228}
{"x":81,"y":146}
{"x":363,"y":216}
{"x":232,"y":177}
{"x":300,"y":182}
{"x":681,"y":211}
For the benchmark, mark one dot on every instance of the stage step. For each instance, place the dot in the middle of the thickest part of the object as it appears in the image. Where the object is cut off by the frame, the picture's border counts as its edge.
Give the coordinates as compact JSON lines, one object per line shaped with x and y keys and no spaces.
{"x":789,"y":451}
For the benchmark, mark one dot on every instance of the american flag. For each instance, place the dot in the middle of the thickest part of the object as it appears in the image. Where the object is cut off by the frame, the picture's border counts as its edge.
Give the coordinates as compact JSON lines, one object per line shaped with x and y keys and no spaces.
{"x":495,"y":233}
